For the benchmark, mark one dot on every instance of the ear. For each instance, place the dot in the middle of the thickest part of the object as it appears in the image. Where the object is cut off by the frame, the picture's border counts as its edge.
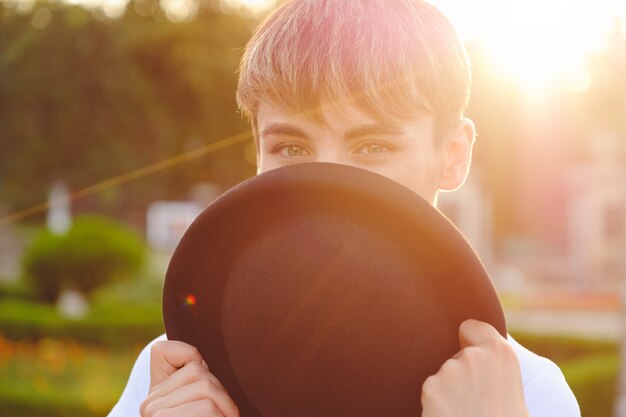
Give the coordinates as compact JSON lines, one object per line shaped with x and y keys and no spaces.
{"x":457,"y":156}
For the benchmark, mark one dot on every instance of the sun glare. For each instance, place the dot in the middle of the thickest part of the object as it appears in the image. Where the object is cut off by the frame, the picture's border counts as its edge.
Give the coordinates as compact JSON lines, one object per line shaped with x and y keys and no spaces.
{"x":536,"y":42}
{"x":539,"y":44}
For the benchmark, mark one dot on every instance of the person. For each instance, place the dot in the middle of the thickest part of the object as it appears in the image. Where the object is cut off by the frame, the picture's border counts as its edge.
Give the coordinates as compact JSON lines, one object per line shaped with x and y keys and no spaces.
{"x":381,"y":85}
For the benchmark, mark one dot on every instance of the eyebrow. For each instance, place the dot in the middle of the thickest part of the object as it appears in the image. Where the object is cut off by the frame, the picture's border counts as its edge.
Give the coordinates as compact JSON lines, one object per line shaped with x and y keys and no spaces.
{"x":284,"y":129}
{"x":372,"y":129}
{"x":364,"y":130}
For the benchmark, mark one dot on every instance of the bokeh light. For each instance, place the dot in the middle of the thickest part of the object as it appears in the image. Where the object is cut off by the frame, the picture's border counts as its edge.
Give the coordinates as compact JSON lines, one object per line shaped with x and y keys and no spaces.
{"x":253,"y":5}
{"x":247,"y":6}
{"x":538,"y":44}
{"x":41,"y":19}
{"x":179,"y":10}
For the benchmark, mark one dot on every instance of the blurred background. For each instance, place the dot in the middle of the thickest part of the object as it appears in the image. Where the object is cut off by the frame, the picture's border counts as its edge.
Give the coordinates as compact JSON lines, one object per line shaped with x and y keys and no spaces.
{"x":118,"y":125}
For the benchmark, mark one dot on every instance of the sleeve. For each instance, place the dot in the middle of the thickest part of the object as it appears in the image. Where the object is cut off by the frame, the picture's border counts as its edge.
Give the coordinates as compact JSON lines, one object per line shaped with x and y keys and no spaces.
{"x":546,"y":391}
{"x":548,"y":395}
{"x":137,"y":386}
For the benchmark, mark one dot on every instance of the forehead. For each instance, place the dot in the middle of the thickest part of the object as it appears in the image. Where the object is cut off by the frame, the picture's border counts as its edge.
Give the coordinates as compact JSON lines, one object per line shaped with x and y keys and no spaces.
{"x":337,"y":116}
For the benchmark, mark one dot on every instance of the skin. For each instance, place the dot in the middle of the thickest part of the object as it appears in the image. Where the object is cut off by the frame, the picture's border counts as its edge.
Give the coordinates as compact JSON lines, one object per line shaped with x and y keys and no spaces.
{"x":483,"y":379}
{"x":407,"y":152}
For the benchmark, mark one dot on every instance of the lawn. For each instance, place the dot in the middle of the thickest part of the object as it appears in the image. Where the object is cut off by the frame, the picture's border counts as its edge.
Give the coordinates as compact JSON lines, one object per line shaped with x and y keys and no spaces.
{"x":56,"y":377}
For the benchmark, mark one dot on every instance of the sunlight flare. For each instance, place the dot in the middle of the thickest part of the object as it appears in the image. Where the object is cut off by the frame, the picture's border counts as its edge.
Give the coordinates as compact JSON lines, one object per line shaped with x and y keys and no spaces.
{"x":537,"y":43}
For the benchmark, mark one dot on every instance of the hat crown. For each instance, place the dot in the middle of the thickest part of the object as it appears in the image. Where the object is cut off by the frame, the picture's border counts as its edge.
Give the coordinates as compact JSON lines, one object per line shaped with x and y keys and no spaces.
{"x":325,"y":290}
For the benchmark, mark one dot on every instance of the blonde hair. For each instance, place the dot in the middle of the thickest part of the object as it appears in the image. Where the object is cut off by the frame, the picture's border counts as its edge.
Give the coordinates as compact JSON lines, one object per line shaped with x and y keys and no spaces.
{"x":393,"y":57}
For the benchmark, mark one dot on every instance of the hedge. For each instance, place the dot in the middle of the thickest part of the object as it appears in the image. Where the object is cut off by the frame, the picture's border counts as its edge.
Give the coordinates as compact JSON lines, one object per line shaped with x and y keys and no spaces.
{"x":562,"y":348}
{"x":113,"y":326}
{"x":95,"y":251}
{"x":58,"y":378}
{"x":594,"y":383}
{"x":21,"y":403}
{"x":591,"y":367}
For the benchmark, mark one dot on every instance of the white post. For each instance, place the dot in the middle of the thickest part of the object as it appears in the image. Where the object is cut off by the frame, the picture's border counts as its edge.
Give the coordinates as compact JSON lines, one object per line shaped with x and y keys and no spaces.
{"x":59,"y":217}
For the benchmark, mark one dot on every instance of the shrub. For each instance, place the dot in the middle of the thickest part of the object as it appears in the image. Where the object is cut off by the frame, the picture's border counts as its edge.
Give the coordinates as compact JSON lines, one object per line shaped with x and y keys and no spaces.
{"x":61,"y":378}
{"x":95,"y":251}
{"x":106,"y":325}
{"x":18,"y":290}
{"x":562,"y":348}
{"x":594,"y":383}
{"x":590,"y":366}
{"x":21,"y":402}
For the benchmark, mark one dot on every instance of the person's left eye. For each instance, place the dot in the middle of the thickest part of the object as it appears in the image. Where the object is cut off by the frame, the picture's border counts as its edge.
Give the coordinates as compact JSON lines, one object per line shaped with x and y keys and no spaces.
{"x":373,"y":148}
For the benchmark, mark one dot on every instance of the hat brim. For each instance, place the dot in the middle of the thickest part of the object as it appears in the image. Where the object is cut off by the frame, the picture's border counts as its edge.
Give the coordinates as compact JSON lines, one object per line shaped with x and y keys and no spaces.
{"x":322,"y":289}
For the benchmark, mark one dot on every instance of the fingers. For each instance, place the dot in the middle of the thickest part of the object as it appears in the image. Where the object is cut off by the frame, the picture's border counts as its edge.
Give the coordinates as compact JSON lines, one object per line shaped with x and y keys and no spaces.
{"x":475,"y":333}
{"x":181,"y":385}
{"x":168,"y":356}
{"x":200,"y":408}
{"x":483,"y":378}
{"x":191,"y":383}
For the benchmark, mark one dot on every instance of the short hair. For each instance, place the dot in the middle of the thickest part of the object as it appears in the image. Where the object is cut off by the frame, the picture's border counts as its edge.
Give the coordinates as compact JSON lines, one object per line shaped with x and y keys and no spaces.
{"x":393,"y":57}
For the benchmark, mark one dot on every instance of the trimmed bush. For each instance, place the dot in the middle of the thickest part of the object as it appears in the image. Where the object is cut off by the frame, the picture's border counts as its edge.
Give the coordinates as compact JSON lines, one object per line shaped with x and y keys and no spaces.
{"x":594,"y":383}
{"x":561,"y":349}
{"x":16,"y":290}
{"x":110,"y":325}
{"x":590,"y":366}
{"x":95,"y":251}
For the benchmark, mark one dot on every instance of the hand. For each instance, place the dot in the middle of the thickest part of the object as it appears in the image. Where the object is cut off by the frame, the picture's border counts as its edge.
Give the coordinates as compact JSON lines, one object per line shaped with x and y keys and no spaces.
{"x":483,"y":379}
{"x":181,"y":385}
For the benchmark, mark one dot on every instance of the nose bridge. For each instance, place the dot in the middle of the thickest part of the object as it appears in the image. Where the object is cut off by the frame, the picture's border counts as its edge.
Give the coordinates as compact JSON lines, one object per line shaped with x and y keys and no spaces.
{"x":331,"y":149}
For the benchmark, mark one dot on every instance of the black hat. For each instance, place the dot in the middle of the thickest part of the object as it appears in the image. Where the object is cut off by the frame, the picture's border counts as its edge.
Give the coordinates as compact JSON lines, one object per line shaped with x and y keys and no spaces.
{"x":323,"y":290}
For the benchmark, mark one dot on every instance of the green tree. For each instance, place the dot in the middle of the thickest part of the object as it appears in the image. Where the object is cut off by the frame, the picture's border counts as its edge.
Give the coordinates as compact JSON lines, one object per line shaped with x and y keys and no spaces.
{"x":95,"y":251}
{"x":86,"y":99}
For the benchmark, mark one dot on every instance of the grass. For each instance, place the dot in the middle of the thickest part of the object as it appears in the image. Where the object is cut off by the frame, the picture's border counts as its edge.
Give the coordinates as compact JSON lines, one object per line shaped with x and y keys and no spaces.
{"x":55,"y":377}
{"x":55,"y":367}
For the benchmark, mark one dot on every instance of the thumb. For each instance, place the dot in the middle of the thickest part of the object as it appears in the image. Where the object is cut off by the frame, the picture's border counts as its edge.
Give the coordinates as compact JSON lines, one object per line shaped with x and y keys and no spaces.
{"x":474,"y":333}
{"x":166,"y":357}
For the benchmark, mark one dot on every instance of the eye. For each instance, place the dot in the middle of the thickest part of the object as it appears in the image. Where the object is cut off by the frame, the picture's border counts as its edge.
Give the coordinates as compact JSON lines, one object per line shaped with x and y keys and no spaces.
{"x":374,"y":148}
{"x":292,"y":150}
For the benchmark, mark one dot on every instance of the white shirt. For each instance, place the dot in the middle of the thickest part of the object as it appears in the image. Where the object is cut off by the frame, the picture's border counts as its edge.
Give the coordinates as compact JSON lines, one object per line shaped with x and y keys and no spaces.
{"x":545,"y":390}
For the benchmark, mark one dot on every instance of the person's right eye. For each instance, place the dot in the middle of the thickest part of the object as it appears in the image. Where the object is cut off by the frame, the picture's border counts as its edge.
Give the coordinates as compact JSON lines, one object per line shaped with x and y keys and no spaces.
{"x":292,"y":150}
